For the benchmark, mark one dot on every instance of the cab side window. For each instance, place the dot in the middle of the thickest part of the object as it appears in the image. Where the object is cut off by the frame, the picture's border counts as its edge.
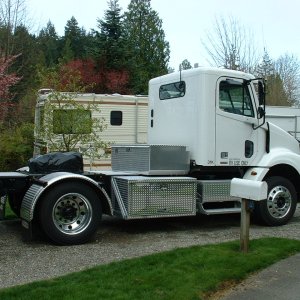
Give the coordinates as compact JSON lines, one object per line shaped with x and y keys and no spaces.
{"x":234,"y":97}
{"x":172,"y":90}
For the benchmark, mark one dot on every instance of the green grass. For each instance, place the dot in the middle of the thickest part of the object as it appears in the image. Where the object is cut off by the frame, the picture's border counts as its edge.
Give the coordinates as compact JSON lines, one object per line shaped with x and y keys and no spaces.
{"x":190,"y":273}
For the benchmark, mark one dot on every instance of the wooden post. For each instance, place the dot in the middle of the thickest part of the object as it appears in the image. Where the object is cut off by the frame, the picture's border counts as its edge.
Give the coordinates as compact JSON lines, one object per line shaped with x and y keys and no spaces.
{"x":245,"y":224}
{"x":247,"y":189}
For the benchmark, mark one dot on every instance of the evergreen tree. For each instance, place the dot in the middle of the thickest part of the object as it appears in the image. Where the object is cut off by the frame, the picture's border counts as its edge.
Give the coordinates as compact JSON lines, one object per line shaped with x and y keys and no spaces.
{"x":111,"y":38}
{"x":150,"y":50}
{"x":90,"y":45}
{"x":185,"y":65}
{"x":276,"y":94}
{"x":111,"y":52}
{"x":75,"y":38}
{"x":266,"y":67}
{"x":49,"y":44}
{"x":67,"y":54}
{"x":25,"y":46}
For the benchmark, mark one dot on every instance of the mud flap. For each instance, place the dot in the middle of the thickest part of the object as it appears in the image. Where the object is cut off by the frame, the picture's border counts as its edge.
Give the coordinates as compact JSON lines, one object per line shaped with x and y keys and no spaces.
{"x":27,"y":234}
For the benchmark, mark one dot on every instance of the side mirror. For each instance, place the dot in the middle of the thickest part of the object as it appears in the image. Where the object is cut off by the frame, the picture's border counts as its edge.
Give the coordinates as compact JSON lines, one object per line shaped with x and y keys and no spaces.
{"x":260,"y":112}
{"x":261,"y":93}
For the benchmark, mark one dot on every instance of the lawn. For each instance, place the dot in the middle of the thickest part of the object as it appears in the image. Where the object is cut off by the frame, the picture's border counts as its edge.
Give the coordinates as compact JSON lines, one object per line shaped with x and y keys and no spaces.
{"x":189,"y":273}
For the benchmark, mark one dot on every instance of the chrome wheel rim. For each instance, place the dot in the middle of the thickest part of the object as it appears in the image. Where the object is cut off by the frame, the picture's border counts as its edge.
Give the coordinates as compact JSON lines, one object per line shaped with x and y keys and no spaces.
{"x":279,"y":201}
{"x":72,"y":213}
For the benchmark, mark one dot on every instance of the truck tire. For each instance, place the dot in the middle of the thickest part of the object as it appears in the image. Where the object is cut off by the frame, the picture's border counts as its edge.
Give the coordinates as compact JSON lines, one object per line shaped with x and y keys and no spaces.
{"x":70,"y":213}
{"x":281,"y":202}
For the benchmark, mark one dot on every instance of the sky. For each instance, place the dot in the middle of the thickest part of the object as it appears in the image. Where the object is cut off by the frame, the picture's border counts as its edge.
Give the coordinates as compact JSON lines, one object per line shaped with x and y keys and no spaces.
{"x":275,"y":24}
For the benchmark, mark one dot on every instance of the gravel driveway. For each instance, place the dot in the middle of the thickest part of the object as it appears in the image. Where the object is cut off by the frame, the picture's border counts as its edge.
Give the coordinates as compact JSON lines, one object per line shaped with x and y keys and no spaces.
{"x":116,"y":239}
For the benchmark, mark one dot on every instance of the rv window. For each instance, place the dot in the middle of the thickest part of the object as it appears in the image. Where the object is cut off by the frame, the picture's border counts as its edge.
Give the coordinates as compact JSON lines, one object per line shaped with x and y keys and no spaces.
{"x":234,"y":97}
{"x":116,"y":118}
{"x":172,"y":90}
{"x":72,"y":121}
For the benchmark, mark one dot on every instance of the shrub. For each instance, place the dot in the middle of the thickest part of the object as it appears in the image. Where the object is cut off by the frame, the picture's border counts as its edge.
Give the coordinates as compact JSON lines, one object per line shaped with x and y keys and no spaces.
{"x":16,"y":146}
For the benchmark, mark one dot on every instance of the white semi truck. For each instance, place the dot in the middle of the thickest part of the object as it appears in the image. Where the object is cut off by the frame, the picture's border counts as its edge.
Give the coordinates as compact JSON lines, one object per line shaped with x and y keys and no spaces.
{"x":205,"y":127}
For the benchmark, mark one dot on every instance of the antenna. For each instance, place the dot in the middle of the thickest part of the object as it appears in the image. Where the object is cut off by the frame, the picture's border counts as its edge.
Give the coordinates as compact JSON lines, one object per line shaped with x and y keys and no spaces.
{"x":180,"y":73}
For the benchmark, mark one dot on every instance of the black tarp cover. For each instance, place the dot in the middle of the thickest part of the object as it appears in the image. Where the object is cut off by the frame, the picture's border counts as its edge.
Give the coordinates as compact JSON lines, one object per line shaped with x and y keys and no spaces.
{"x":56,"y":162}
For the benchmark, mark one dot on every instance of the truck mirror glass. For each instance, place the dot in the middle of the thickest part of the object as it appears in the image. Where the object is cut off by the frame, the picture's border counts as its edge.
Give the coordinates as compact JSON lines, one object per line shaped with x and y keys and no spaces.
{"x":260,"y":112}
{"x":261,"y":93}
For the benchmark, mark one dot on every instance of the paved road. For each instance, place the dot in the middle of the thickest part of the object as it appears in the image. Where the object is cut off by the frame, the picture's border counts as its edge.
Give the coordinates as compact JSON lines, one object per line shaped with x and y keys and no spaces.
{"x":277,"y":282}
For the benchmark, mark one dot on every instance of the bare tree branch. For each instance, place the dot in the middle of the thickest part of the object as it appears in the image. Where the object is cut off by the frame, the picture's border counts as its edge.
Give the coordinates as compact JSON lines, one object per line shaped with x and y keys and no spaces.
{"x":12,"y":15}
{"x":288,"y":67}
{"x":230,"y":45}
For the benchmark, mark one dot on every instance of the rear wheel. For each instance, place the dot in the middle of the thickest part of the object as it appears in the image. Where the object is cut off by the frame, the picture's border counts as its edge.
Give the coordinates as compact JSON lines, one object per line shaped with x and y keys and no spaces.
{"x":280,"y":205}
{"x":70,"y":213}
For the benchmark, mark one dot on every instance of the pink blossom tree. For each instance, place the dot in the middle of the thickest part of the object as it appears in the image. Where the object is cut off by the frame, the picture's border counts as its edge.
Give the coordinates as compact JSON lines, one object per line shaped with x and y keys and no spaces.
{"x":7,"y":80}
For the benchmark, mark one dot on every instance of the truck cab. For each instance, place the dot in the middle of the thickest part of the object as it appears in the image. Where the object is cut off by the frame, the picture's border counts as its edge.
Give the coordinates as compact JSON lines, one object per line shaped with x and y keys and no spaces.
{"x":219,"y":115}
{"x":215,"y":113}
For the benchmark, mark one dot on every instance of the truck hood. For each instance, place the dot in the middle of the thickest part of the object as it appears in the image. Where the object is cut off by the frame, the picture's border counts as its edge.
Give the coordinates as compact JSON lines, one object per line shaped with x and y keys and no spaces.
{"x":284,"y":149}
{"x":279,"y":138}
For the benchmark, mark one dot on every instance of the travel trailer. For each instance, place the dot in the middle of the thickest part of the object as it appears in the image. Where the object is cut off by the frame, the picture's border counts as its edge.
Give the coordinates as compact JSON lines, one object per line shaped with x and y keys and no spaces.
{"x":125,"y":117}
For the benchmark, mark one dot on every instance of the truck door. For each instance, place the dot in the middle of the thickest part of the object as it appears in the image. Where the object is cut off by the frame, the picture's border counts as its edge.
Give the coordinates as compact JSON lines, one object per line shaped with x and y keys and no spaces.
{"x":236,"y":140}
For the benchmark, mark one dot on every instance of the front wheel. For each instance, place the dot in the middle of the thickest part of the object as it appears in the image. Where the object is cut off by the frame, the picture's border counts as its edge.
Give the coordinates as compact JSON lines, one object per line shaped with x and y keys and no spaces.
{"x":70,"y":213}
{"x":281,"y":202}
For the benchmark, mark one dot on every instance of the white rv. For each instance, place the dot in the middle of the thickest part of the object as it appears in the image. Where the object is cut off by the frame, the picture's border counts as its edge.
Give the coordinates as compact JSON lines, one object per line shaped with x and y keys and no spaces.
{"x":124,"y":115}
